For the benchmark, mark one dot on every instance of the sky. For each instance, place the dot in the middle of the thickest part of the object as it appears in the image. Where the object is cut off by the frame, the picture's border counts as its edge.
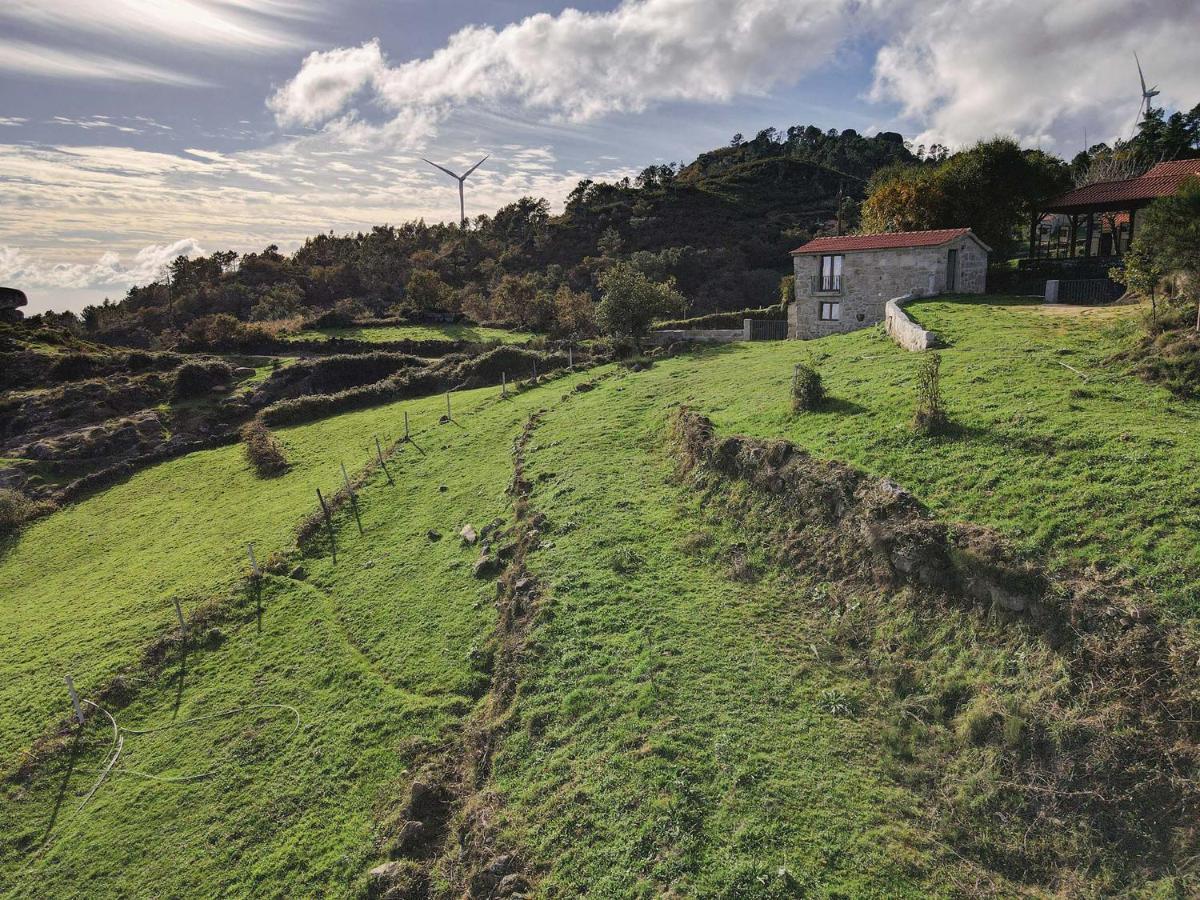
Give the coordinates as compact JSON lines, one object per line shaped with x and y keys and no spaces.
{"x":135,"y":130}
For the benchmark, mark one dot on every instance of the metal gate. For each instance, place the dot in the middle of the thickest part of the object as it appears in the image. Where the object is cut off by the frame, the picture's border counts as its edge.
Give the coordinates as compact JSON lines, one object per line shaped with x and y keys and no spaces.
{"x":1089,"y":290}
{"x":768,"y":329}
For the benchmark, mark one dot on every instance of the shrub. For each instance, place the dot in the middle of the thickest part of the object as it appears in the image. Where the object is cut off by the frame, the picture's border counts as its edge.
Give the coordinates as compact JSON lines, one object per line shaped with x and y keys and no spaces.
{"x":73,"y":366}
{"x":344,"y":314}
{"x":193,"y":379}
{"x":16,"y":509}
{"x":808,"y":393}
{"x":930,"y":416}
{"x":263,"y":449}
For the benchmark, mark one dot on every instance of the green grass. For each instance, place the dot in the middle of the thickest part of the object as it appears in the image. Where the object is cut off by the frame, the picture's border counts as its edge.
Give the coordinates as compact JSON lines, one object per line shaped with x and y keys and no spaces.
{"x":374,"y":653}
{"x":1088,"y":467}
{"x":677,"y":730}
{"x":385,"y":333}
{"x":664,"y":743}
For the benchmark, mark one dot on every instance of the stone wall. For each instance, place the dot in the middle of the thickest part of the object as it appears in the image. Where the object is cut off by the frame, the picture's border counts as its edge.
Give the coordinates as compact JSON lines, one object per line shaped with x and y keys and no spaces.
{"x":903,"y":330}
{"x":705,"y":335}
{"x":872,"y":277}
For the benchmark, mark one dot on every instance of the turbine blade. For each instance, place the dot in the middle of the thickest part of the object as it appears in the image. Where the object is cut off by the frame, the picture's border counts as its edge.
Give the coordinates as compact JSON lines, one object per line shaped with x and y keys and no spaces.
{"x":1141,"y":77}
{"x":476,"y":166}
{"x":443,"y":168}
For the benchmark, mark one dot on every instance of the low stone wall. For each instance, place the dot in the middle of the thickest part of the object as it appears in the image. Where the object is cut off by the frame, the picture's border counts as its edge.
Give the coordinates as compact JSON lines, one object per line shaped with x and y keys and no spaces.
{"x":707,"y":335}
{"x":903,"y":330}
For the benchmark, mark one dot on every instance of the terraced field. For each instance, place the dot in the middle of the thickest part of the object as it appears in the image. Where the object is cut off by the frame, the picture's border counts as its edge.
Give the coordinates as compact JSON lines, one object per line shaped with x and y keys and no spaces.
{"x":686,"y":716}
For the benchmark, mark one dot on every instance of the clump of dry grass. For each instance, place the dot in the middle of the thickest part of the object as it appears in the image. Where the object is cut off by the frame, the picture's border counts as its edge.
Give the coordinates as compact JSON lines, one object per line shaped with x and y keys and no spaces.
{"x":263,"y":449}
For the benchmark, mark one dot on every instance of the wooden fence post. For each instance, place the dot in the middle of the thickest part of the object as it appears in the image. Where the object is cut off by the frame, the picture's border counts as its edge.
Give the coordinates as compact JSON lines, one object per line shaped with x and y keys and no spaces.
{"x":329,"y":526}
{"x":179,"y":616}
{"x":353,"y":499}
{"x":382,"y":464}
{"x":74,"y":700}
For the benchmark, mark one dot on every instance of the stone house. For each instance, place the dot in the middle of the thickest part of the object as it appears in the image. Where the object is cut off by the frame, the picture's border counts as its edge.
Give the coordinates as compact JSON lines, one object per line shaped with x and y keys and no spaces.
{"x":843,"y":283}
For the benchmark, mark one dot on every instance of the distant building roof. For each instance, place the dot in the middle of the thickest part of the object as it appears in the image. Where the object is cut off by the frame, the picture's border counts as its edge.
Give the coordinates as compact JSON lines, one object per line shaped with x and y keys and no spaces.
{"x":11,"y":298}
{"x":1162,"y":180}
{"x":889,"y":240}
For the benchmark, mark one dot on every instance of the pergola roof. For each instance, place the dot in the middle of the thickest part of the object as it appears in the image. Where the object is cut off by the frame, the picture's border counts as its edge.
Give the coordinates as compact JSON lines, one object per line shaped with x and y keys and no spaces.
{"x":1161,"y":181}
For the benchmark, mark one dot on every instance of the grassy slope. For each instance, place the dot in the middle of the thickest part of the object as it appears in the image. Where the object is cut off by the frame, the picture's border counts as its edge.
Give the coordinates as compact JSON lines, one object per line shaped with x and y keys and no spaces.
{"x":664,"y":743}
{"x":674,"y":728}
{"x":374,"y":654}
{"x":1096,"y":471}
{"x":385,"y":333}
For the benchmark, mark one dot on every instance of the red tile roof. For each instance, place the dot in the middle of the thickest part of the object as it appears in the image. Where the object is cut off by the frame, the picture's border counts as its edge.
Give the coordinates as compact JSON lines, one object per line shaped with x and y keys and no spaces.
{"x":1161,"y":181}
{"x":891,"y":240}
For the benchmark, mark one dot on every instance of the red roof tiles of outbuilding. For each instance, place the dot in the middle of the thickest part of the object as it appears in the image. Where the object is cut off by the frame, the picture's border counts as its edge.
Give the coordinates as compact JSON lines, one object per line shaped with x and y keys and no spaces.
{"x":1162,"y":180}
{"x":889,"y":240}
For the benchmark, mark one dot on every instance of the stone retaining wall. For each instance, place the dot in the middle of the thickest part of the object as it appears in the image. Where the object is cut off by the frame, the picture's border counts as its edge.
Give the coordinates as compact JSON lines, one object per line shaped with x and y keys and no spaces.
{"x":903,"y":330}
{"x":707,"y":335}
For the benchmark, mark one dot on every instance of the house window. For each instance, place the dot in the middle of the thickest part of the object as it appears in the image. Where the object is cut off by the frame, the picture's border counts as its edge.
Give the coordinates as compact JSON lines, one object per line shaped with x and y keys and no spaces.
{"x":830,"y":312}
{"x":831,"y":273}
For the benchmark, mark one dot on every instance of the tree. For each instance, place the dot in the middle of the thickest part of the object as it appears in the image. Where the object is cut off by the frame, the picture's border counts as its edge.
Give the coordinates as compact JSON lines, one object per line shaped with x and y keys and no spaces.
{"x":574,"y":313}
{"x":630,"y":302}
{"x":1141,"y":273}
{"x":610,"y":243}
{"x":425,"y":290}
{"x":993,"y":188}
{"x":1169,"y":233}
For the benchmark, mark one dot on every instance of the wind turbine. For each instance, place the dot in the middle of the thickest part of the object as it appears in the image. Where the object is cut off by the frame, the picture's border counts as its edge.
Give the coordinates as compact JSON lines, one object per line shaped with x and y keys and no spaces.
{"x":1148,"y":94}
{"x":462,"y":207}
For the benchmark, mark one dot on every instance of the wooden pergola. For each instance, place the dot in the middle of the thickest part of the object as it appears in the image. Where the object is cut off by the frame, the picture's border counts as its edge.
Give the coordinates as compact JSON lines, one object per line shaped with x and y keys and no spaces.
{"x":1100,"y":217}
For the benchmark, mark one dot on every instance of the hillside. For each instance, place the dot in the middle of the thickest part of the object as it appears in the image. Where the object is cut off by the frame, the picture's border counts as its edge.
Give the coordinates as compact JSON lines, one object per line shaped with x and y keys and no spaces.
{"x":668,"y":670}
{"x":720,"y":225}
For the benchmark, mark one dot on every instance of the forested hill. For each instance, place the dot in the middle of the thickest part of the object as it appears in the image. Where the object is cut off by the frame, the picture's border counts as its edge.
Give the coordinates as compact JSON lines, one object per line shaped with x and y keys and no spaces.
{"x":720,"y":226}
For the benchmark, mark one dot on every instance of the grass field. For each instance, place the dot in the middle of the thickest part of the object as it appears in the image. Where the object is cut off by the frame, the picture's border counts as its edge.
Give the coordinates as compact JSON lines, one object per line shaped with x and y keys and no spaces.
{"x":1056,"y":445}
{"x":385,"y":333}
{"x":676,"y":730}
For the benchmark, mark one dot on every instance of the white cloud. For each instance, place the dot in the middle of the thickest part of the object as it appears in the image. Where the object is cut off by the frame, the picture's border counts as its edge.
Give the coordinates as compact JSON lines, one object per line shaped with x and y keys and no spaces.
{"x":957,"y":70}
{"x":12,"y":120}
{"x":33,"y":59}
{"x":1043,"y":72}
{"x":17,"y":267}
{"x":220,"y":25}
{"x":578,"y":66}
{"x":326,"y":82}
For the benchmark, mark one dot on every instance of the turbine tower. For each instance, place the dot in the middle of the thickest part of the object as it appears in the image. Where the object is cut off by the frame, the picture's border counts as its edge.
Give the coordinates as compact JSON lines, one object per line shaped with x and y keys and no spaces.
{"x":462,"y":206}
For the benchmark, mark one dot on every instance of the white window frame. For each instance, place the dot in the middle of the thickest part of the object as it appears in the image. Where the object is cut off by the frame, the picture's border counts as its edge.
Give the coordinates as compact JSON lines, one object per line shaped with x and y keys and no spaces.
{"x":836,"y":262}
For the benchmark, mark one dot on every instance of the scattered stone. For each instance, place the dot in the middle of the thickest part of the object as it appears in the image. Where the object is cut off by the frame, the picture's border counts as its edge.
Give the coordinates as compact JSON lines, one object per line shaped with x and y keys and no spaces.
{"x":369,"y":564}
{"x":485,"y":882}
{"x":485,"y":566}
{"x":444,"y":420}
{"x":433,"y":535}
{"x":390,"y":878}
{"x":468,"y":534}
{"x":243,"y":372}
{"x":522,"y":583}
{"x":411,"y":834}
{"x":299,"y":573}
{"x":442,"y":489}
{"x":513,"y":885}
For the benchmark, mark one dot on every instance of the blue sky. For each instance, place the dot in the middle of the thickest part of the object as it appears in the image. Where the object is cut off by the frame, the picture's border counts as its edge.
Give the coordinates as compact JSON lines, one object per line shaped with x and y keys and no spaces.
{"x":133,"y":130}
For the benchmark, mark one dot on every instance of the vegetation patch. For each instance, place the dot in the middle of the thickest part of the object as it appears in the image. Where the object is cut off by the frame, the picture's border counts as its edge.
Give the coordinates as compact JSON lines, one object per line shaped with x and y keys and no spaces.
{"x":263,"y":449}
{"x":1098,"y":769}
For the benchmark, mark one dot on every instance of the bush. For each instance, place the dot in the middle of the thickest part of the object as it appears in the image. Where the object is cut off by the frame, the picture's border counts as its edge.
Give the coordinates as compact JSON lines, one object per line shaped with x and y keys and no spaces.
{"x":344,"y":314}
{"x":194,"y":379}
{"x":73,"y":366}
{"x":808,"y":393}
{"x":16,"y":509}
{"x":930,"y":416}
{"x":263,"y":450}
